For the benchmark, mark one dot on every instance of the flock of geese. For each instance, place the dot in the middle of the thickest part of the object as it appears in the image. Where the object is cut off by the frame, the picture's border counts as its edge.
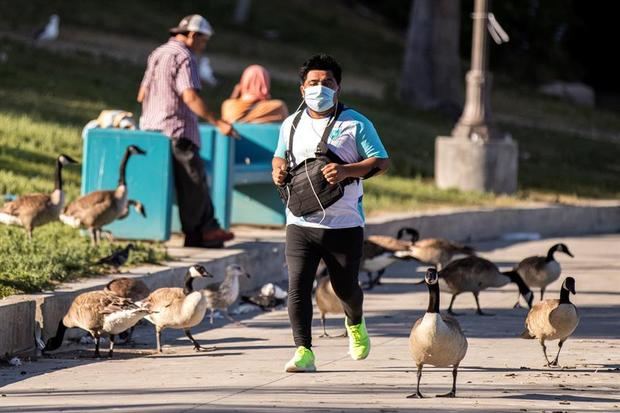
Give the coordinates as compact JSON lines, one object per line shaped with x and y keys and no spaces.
{"x":91,"y":211}
{"x":125,"y":301}
{"x":437,"y":339}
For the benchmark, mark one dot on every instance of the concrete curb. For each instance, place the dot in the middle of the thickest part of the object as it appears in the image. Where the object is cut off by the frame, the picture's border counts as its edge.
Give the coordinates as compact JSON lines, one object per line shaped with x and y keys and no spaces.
{"x":21,"y":317}
{"x":486,"y":224}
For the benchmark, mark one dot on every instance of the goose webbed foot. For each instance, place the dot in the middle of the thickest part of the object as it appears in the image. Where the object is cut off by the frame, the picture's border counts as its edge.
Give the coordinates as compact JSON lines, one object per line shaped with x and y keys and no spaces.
{"x":517,"y":305}
{"x":199,"y":348}
{"x":453,"y":313}
{"x":480,"y":312}
{"x":554,"y":363}
{"x":450,"y":394}
{"x":416,"y":395}
{"x":325,"y":335}
{"x":345,"y":334}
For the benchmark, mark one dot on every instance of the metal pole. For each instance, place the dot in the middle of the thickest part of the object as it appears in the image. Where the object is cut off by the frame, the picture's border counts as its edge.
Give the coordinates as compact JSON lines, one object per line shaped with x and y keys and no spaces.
{"x":476,"y":118}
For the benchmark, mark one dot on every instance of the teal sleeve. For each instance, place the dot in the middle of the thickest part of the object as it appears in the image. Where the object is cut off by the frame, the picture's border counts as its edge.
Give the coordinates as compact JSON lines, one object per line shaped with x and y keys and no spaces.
{"x":281,"y":148}
{"x":369,"y":144}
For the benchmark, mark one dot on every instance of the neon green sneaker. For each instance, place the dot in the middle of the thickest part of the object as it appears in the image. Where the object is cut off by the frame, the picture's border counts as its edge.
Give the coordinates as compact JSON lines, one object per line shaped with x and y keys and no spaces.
{"x":359,"y":342}
{"x":302,"y":361}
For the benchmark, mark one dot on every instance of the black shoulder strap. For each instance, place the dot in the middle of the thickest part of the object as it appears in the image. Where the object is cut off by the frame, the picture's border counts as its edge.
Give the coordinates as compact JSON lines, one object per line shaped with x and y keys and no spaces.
{"x":289,"y":152}
{"x":322,"y":146}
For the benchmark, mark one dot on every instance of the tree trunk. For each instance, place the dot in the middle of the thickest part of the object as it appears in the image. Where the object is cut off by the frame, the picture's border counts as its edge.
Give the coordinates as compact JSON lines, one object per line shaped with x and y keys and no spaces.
{"x":242,"y":12}
{"x":431,"y":76}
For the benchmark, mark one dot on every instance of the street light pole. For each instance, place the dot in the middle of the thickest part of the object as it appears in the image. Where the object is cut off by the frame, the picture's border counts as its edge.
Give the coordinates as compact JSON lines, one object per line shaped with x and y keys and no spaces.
{"x":476,"y":117}
{"x":475,"y":157}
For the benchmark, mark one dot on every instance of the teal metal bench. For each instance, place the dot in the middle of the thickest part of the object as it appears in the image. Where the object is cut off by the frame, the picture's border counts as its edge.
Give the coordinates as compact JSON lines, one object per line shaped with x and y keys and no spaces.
{"x":239,"y":173}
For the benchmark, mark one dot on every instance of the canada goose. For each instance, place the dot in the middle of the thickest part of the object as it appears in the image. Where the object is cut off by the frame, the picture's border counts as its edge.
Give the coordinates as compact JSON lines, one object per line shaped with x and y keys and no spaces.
{"x":98,"y":312}
{"x":379,"y":252}
{"x":328,"y":302}
{"x":180,"y":308}
{"x":553,"y":319}
{"x":99,"y":208}
{"x":436,"y":251}
{"x":538,"y":271}
{"x":475,"y":274}
{"x":222,"y":295}
{"x":33,"y":210}
{"x":117,"y":258}
{"x":435,"y":339}
{"x":135,"y":290}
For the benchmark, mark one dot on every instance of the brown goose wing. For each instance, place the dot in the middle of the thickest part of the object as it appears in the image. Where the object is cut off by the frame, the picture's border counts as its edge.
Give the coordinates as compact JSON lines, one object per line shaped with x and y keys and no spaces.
{"x":389,"y":243}
{"x":163,"y":298}
{"x":95,"y":201}
{"x":26,"y":204}
{"x":129,"y":288}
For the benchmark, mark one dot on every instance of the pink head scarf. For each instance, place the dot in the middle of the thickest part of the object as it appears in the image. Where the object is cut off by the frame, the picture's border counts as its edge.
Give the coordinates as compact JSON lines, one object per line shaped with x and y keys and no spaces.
{"x":255,"y":83}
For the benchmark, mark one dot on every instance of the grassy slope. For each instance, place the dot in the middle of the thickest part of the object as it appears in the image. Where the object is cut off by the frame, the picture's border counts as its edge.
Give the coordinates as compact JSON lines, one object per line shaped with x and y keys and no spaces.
{"x":45,"y":99}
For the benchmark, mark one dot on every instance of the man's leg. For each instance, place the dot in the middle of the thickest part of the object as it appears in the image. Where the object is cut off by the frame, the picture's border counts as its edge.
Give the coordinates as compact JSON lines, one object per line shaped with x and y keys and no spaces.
{"x":302,"y":259}
{"x":342,"y":251}
{"x":195,"y":206}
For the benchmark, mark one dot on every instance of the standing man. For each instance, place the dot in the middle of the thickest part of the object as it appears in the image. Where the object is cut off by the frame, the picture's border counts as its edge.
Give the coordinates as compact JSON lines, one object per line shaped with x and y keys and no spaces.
{"x":335,"y":233}
{"x":171,"y":104}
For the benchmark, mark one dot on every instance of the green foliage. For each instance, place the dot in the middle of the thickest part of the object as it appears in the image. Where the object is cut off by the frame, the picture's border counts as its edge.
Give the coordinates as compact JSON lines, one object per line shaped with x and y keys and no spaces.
{"x":46,"y":98}
{"x":57,"y":254}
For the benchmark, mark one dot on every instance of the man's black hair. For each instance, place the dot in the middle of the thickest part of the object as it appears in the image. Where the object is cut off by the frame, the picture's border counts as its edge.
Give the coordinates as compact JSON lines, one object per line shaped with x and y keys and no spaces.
{"x":321,"y":62}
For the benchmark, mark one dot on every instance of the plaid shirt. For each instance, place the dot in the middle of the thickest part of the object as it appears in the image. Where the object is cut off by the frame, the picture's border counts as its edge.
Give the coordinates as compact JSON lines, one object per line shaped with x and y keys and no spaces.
{"x":171,"y":69}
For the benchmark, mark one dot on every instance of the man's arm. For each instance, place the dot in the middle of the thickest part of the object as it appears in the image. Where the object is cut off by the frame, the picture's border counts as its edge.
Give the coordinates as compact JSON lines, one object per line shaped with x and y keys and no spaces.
{"x":141,"y":94}
{"x":278,"y":173}
{"x":335,"y":173}
{"x":193,"y":101}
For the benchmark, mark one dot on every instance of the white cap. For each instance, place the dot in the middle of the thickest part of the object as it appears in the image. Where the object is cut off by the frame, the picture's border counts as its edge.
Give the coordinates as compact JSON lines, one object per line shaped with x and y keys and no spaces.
{"x":193,"y":23}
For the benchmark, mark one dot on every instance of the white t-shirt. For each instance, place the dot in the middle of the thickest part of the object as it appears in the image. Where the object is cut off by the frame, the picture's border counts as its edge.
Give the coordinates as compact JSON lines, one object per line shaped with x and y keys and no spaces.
{"x":353,"y":138}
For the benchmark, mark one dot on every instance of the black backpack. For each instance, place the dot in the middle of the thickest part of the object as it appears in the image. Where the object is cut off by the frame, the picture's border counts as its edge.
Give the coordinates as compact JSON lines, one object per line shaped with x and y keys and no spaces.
{"x":305,"y":189}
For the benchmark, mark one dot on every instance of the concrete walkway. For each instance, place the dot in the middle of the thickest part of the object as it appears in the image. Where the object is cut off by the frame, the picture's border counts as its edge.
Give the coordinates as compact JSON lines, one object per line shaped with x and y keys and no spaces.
{"x":499,"y":373}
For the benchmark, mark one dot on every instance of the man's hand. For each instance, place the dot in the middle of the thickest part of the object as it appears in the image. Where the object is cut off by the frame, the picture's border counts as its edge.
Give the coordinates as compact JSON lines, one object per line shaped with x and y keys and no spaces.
{"x":227,"y":129}
{"x":334,"y":173}
{"x":279,"y":175}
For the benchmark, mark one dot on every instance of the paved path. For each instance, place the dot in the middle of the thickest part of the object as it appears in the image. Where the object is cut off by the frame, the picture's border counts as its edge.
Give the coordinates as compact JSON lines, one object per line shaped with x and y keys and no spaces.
{"x":499,"y":373}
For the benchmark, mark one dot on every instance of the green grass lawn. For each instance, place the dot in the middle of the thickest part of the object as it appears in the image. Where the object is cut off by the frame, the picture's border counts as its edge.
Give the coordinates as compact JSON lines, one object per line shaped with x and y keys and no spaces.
{"x":46,"y":98}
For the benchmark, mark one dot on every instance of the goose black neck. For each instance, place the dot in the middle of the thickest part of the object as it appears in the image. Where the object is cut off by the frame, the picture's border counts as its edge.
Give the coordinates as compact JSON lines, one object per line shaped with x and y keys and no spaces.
{"x":121,"y":176}
{"x":56,"y":341}
{"x":516,"y":278}
{"x":564,"y":296}
{"x":58,"y":176}
{"x":189,"y":284}
{"x":433,"y":298}
{"x":550,"y":253}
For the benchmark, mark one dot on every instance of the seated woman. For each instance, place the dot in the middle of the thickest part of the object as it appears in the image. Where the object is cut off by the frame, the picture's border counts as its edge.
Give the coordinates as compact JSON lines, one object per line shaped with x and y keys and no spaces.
{"x":250,"y":100}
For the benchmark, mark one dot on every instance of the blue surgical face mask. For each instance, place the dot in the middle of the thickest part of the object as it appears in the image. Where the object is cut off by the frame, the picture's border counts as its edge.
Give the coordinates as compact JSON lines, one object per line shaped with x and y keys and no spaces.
{"x":319,"y":98}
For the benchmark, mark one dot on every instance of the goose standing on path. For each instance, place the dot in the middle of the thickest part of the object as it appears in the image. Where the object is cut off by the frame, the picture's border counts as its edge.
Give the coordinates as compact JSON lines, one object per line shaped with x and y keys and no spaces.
{"x":134,"y":289}
{"x":435,"y":339}
{"x":33,"y":210}
{"x":437,"y":251}
{"x":99,"y":313}
{"x":222,"y":295}
{"x":327,"y":302}
{"x":99,"y":208}
{"x":538,"y":271}
{"x":380,"y":251}
{"x":553,"y":319}
{"x":474,"y":274}
{"x":179,"y":308}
